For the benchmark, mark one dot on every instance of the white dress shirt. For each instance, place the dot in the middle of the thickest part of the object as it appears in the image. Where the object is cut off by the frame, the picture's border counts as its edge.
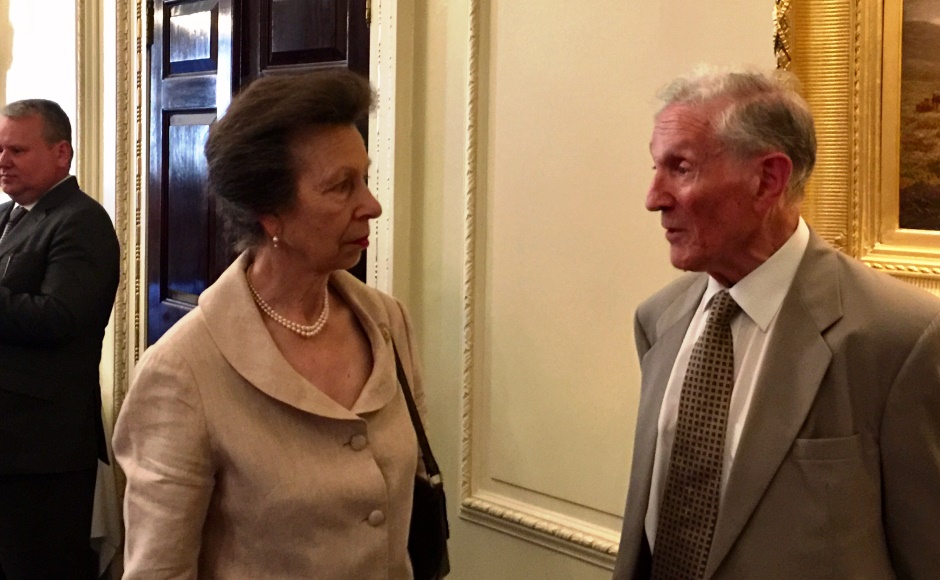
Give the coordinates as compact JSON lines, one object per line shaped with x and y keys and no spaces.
{"x":760,"y":295}
{"x":30,"y":206}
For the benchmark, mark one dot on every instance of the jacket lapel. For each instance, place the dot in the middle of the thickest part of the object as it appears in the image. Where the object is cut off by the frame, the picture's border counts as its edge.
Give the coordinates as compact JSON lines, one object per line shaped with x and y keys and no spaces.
{"x":5,"y":211}
{"x":656,"y":367}
{"x":795,"y":362}
{"x":238,"y":330}
{"x":32,"y":220}
{"x":28,"y":223}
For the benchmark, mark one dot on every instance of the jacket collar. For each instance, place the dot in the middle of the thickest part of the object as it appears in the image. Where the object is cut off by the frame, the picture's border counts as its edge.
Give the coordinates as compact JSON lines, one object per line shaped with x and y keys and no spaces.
{"x":45,"y":205}
{"x":238,"y":330}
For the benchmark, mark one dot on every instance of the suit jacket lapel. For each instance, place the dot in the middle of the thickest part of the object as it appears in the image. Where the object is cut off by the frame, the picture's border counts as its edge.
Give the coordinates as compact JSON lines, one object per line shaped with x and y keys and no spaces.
{"x":795,"y":362}
{"x":35,"y":216}
{"x":656,"y":367}
{"x":5,"y":211}
{"x":28,"y":223}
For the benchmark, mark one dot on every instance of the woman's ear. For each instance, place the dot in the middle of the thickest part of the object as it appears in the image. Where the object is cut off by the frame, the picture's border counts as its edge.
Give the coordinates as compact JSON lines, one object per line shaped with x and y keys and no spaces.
{"x":271,"y":225}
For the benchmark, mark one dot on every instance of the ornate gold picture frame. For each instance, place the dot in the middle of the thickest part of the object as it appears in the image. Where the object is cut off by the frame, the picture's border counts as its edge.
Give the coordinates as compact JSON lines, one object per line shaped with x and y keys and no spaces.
{"x":848,"y":57}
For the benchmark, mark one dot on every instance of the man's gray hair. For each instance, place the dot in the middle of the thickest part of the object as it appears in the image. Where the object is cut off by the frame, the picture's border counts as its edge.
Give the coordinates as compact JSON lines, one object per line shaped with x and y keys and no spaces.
{"x":56,"y":125}
{"x":764,"y":113}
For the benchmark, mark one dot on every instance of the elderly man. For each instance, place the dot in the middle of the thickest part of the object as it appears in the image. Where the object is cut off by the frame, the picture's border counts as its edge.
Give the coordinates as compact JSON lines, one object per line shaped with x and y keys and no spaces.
{"x":789,"y":423}
{"x":59,"y":261}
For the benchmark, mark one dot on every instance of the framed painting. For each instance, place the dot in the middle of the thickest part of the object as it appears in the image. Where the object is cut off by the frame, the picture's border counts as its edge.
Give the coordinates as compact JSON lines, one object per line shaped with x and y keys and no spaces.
{"x":919,"y":169}
{"x":871,"y":73}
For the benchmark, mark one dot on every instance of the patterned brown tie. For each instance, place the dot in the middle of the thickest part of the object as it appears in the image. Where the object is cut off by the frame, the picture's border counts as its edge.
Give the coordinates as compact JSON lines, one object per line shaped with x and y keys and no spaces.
{"x":15,"y":216}
{"x":689,"y":508}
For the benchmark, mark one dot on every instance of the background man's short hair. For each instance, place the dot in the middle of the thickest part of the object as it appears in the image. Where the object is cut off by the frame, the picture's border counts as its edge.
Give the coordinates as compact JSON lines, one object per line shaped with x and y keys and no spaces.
{"x":56,"y":124}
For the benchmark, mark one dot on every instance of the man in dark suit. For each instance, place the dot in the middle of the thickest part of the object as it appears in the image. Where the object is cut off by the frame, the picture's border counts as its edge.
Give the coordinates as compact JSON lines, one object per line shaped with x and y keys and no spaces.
{"x":789,"y":422}
{"x":59,"y":262}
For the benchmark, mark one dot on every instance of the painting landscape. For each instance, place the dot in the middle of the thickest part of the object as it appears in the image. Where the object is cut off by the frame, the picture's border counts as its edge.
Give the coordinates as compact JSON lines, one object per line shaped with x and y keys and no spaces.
{"x":919,"y":194}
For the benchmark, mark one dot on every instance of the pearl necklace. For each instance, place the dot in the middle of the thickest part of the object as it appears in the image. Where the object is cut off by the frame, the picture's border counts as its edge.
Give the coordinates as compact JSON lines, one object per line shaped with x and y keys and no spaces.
{"x":304,"y":330}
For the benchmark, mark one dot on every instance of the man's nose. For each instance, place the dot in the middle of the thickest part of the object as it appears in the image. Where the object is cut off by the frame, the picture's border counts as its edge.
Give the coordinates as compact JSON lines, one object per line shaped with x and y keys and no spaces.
{"x":656,"y":197}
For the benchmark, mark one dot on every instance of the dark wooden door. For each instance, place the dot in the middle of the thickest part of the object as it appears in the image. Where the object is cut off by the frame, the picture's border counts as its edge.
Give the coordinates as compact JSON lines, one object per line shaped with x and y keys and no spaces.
{"x":292,"y":36}
{"x":201,"y":52}
{"x":191,"y":81}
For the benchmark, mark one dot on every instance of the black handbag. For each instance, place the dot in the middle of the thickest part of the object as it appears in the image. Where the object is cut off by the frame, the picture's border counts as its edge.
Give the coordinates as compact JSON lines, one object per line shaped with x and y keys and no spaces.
{"x":429,"y":531}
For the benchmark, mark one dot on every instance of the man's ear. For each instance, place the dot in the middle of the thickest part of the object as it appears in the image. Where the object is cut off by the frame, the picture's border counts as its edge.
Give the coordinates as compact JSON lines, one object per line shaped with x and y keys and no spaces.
{"x":63,"y":154}
{"x":775,"y":170}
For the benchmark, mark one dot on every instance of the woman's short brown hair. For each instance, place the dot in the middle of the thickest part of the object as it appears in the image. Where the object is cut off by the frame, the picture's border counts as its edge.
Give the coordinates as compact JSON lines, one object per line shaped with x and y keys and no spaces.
{"x":251,"y":169}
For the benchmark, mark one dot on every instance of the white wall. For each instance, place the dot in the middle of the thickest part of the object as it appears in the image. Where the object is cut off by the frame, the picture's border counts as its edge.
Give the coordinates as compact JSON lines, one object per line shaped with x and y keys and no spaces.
{"x":37,"y":55}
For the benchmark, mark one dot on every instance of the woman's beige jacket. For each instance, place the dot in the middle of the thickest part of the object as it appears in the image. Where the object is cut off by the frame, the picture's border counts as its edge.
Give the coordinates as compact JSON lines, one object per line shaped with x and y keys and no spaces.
{"x":237,"y":467}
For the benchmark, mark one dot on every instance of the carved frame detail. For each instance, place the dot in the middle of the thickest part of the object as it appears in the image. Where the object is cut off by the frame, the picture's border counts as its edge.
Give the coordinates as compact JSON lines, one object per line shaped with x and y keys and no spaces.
{"x":130,"y":55}
{"x":847,"y":55}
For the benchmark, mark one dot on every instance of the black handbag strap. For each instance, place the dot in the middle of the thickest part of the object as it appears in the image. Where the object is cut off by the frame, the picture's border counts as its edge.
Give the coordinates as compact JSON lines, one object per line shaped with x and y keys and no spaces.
{"x":429,"y":463}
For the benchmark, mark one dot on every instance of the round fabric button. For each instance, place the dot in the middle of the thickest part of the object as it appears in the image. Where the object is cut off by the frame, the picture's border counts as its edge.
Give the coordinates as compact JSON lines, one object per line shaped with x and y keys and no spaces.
{"x":376,"y":518}
{"x":358,"y":442}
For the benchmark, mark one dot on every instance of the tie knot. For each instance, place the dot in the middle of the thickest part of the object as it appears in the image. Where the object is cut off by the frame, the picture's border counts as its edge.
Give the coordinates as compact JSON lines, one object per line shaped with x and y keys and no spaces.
{"x":17,"y":214}
{"x":723,"y":308}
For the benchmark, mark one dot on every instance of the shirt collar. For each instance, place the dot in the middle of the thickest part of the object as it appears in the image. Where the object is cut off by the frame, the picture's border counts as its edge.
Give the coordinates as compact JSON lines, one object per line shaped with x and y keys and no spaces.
{"x":760,"y":294}
{"x":30,"y":206}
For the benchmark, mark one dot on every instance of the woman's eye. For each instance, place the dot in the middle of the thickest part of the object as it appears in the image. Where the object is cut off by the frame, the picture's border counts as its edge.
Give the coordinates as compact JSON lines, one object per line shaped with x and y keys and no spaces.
{"x":344,"y":185}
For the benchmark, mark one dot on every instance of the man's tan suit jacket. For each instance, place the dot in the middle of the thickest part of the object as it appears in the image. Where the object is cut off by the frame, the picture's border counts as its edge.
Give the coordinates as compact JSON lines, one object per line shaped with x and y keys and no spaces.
{"x":837,"y":474}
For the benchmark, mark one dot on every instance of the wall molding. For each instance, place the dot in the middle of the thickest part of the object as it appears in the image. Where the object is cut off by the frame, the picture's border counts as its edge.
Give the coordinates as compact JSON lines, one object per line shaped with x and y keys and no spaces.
{"x":383,"y":30}
{"x":130,"y":56}
{"x":552,"y":530}
{"x":88,"y":96}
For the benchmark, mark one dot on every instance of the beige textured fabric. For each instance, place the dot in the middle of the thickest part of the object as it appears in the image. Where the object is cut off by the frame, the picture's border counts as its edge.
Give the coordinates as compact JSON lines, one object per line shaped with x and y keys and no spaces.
{"x":238,"y":468}
{"x":689,"y":508}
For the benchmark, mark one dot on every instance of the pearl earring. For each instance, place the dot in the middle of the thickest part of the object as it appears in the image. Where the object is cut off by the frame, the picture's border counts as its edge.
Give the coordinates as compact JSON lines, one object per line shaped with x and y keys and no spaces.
{"x":275,"y":239}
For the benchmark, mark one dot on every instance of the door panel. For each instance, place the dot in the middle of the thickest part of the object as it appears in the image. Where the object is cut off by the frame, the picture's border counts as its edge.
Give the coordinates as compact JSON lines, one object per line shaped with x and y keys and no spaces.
{"x":305,"y":31}
{"x":193,"y":38}
{"x":190,"y":81}
{"x":187,"y":208}
{"x":292,"y":36}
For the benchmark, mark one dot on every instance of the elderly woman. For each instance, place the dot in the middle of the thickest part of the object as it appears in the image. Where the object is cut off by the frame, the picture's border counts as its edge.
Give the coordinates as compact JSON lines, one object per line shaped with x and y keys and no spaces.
{"x":266,"y":435}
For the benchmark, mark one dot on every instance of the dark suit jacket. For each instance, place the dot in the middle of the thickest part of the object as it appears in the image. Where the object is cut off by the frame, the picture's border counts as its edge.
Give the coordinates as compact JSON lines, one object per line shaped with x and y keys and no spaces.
{"x":58,"y":276}
{"x":837,"y":474}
